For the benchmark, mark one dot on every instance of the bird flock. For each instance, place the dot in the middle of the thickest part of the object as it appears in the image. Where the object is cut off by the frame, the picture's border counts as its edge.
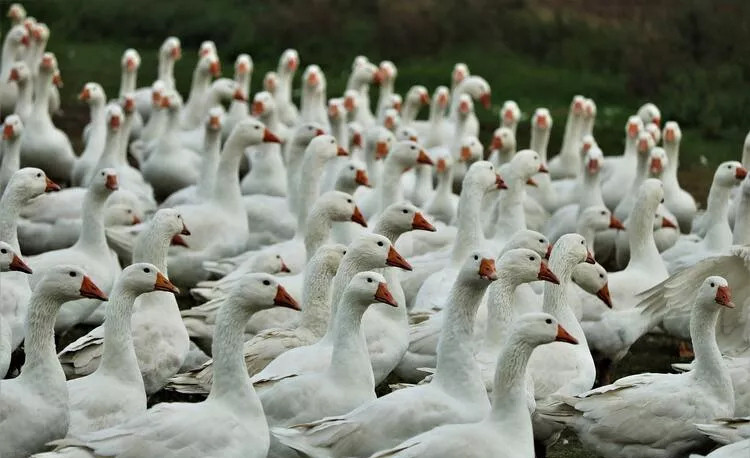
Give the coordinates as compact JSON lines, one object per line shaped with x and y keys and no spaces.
{"x":345,"y":278}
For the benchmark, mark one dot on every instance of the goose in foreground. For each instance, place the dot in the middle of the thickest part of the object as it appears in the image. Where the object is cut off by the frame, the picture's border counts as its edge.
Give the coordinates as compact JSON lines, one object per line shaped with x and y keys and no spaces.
{"x":34,"y":406}
{"x":114,"y":393}
{"x":506,"y":430}
{"x":456,"y":393}
{"x":9,"y":261}
{"x":654,"y":414}
{"x":230,"y":422}
{"x":727,"y":430}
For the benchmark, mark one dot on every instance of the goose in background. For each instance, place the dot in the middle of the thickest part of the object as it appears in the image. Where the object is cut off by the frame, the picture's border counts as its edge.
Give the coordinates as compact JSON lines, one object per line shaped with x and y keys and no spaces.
{"x":567,"y":163}
{"x":169,"y":53}
{"x":282,"y":86}
{"x":14,"y":46}
{"x":238,"y":108}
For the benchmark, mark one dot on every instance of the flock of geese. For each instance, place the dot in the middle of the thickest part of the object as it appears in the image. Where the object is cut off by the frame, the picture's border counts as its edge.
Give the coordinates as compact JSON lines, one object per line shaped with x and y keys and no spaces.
{"x":331,"y":248}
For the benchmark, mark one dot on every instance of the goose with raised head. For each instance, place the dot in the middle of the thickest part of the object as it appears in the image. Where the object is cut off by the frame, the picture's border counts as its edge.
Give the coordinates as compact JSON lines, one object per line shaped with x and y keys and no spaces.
{"x":388,"y":72}
{"x":313,"y":102}
{"x":461,"y":129}
{"x":443,"y":204}
{"x":416,"y":97}
{"x":9,"y":262}
{"x":643,"y":149}
{"x":219,"y":93}
{"x":510,"y":115}
{"x":665,"y":425}
{"x":567,"y":163}
{"x":351,"y":176}
{"x":93,"y":95}
{"x":239,"y":109}
{"x":619,"y":172}
{"x":503,"y":146}
{"x":649,"y":113}
{"x":169,"y":53}
{"x":268,"y":344}
{"x":14,"y":47}
{"x":378,"y":142}
{"x":16,"y":14}
{"x":35,"y":404}
{"x":90,"y":251}
{"x":21,"y":74}
{"x":23,"y":186}
{"x":11,"y":148}
{"x":130,"y":63}
{"x":114,"y":393}
{"x":478,"y":89}
{"x":363,"y":74}
{"x":232,"y":413}
{"x":49,"y":149}
{"x":288,"y":64}
{"x":207,"y":67}
{"x":159,"y":337}
{"x":268,"y":173}
{"x":154,"y":127}
{"x":456,"y":393}
{"x":506,"y":431}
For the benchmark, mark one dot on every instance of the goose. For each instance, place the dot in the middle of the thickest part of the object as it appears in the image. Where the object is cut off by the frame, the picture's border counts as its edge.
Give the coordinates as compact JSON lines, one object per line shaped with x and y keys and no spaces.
{"x":738,"y":371}
{"x":570,"y":190}
{"x":14,"y":45}
{"x":694,"y":397}
{"x":347,"y":382}
{"x":388,"y":73}
{"x":219,"y":93}
{"x":159,"y":336}
{"x":465,"y":111}
{"x":268,"y":344}
{"x":368,"y":251}
{"x":510,"y":115}
{"x":649,"y":113}
{"x":456,"y":393}
{"x":9,"y":262}
{"x":90,"y":251}
{"x":16,"y":13}
{"x":284,"y":75}
{"x":39,"y":34}
{"x":351,"y":176}
{"x":503,"y":146}
{"x":10,"y":163}
{"x":35,"y":404}
{"x":238,"y":109}
{"x":363,"y":74}
{"x":130,"y":63}
{"x":84,"y":167}
{"x":546,"y":370}
{"x":25,"y":184}
{"x":378,"y":142}
{"x":643,"y":148}
{"x":232,"y":413}
{"x":49,"y":149}
{"x":506,"y":430}
{"x":567,"y":163}
{"x":21,"y":74}
{"x":429,"y":131}
{"x":113,"y":393}
{"x":171,"y":166}
{"x":154,"y":127}
{"x":169,"y":53}
{"x":443,"y":204}
{"x":313,"y":101}
{"x":478,"y":89}
{"x":207,"y":67}
{"x":268,"y":174}
{"x":340,"y":130}
{"x":741,"y":231}
{"x":619,"y":172}
{"x":416,"y":97}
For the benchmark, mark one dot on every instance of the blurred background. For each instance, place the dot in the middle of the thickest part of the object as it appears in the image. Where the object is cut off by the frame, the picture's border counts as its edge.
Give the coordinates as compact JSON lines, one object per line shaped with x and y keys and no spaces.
{"x":687,"y":56}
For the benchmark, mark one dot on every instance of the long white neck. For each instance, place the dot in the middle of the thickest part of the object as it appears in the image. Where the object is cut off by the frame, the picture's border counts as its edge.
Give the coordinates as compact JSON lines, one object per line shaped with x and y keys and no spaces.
{"x":293,"y":157}
{"x":123,"y":140}
{"x":209,"y":163}
{"x":643,"y":251}
{"x":25,"y":102}
{"x":315,"y":230}
{"x":41,"y":99}
{"x":350,"y":361}
{"x":155,"y":125}
{"x":719,"y":234}
{"x":309,"y":189}
{"x":709,"y":364}
{"x":11,"y":203}
{"x":284,"y":86}
{"x":511,"y":214}
{"x":348,"y":268}
{"x":92,"y":222}
{"x":444,"y":187}
{"x":127,"y":82}
{"x":469,"y":234}
{"x":41,"y":358}
{"x":98,"y":131}
{"x":198,"y":87}
{"x":110,"y":151}
{"x":409,"y":112}
{"x":384,"y":97}
{"x":227,"y":191}
{"x":509,"y":391}
{"x":11,"y":161}
{"x":631,"y":146}
{"x":152,"y":246}
{"x":591,"y":192}
{"x":741,"y":234}
{"x":166,"y":70}
{"x":499,"y":310}
{"x":118,"y":355}
{"x":555,"y":300}
{"x":539,"y":141}
{"x":389,"y":187}
{"x":316,"y":297}
{"x":669,"y":177}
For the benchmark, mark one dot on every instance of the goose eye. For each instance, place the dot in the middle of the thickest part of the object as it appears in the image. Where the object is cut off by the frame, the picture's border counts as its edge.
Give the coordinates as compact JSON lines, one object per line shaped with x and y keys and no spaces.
{"x":103,"y":173}
{"x":38,"y":175}
{"x":548,"y":321}
{"x":369,"y":280}
{"x":147,"y":270}
{"x":405,"y":211}
{"x":332,"y":142}
{"x":601,"y":276}
{"x":492,"y":168}
{"x":581,"y":242}
{"x":476,"y":258}
{"x":129,"y":211}
{"x":72,"y":274}
{"x":266,"y":282}
{"x":729,"y":166}
{"x":531,"y":258}
{"x":604,"y":213}
{"x":351,"y":167}
{"x":278,"y":256}
{"x":662,"y":200}
{"x":541,"y":240}
{"x":380,"y":243}
{"x":413,"y":147}
{"x":712,"y":284}
{"x":344,"y":251}
{"x":349,"y":201}
{"x":3,"y":251}
{"x":257,"y":127}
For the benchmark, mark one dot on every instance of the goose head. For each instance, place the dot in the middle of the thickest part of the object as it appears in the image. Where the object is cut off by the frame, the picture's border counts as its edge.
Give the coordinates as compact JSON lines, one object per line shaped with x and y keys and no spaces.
{"x":482,"y":175}
{"x":672,"y":133}
{"x":650,"y":194}
{"x":479,"y":268}
{"x":648,"y":112}
{"x":130,"y":61}
{"x":539,"y":329}
{"x":599,"y":218}
{"x":16,"y":13}
{"x":729,"y":174}
{"x":270,"y":82}
{"x":313,"y":79}
{"x":325,"y":147}
{"x":403,"y":217}
{"x":645,"y":143}
{"x":20,"y":73}
{"x":577,"y":106}
{"x":66,"y":283}
{"x":329,"y":257}
{"x":17,"y":39}
{"x":471,"y":149}
{"x":391,"y":119}
{"x":593,"y":279}
{"x":587,"y":142}
{"x":260,"y":291}
{"x":269,"y":262}
{"x":171,"y":49}
{"x":243,"y":66}
{"x":39,"y":33}
{"x":654,"y":131}
{"x":459,"y":73}
{"x":355,"y":133}
{"x":288,"y":62}
{"x":12,"y":127}
{"x":213,"y":121}
{"x":336,"y":110}
{"x":10,"y":261}
{"x":250,"y":132}
{"x":48,"y":65}
{"x":364,"y":72}
{"x":172,"y":101}
{"x":226,"y":89}
{"x":30,"y":182}
{"x":263,"y":104}
{"x":714,"y":291}
{"x":527,"y":163}
{"x":408,"y":154}
{"x":158,"y":89}
{"x":113,"y":116}
{"x":142,"y":277}
{"x":207,"y":48}
{"x":92,"y":94}
{"x":510,"y":114}
{"x":441,"y":98}
{"x":376,"y":251}
{"x":208,"y":65}
{"x":104,"y":182}
{"x":478,"y":88}
{"x":593,"y":160}
{"x":633,"y":127}
{"x":121,"y":215}
{"x":417,"y":96}
{"x":657,"y":161}
{"x":663,"y":221}
{"x":541,"y":120}
{"x":388,"y":72}
{"x":368,"y":287}
{"x":168,"y":223}
{"x":525,"y":266}
{"x":340,"y":207}
{"x":378,"y":141}
{"x":503,"y":140}
{"x":127,"y":104}
{"x":532,"y":240}
{"x":352,"y":175}
{"x":572,"y":248}
{"x":351,"y":101}
{"x":407,"y":133}
{"x":589,"y":109}
{"x":465,"y":106}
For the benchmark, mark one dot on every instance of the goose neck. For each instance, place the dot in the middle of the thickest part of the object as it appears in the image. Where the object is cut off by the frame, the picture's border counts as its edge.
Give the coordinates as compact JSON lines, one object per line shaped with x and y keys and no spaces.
{"x":316,"y":298}
{"x":709,"y":365}
{"x":310,"y":173}
{"x":10,"y":162}
{"x":643,"y":251}
{"x":673,"y":159}
{"x":315,"y":230}
{"x":121,"y":157}
{"x":166,"y":70}
{"x":555,"y":300}
{"x":469,"y":234}
{"x":539,"y":142}
{"x":409,"y":112}
{"x":741,"y":219}
{"x":127,"y":82}
{"x":511,"y":216}
{"x":118,"y":355}
{"x":293,"y":157}
{"x":25,"y":100}
{"x":444,"y":184}
{"x":350,"y":361}
{"x":509,"y":392}
{"x":11,"y":203}
{"x":226,"y":185}
{"x":630,"y":147}
{"x":210,"y":162}
{"x":42,"y":90}
{"x":152,"y":246}
{"x":717,"y":204}
{"x":389,"y":186}
{"x":110,"y":151}
{"x":348,"y":268}
{"x":591,"y":194}
{"x":499,"y":310}
{"x":92,"y":217}
{"x":284,"y":86}
{"x":41,"y":357}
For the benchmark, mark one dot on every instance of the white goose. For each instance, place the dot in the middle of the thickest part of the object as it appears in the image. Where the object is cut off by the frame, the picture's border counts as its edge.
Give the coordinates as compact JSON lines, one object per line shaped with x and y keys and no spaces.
{"x":238,"y":109}
{"x":11,"y":148}
{"x":14,"y":46}
{"x":169,"y":52}
{"x":268,"y":173}
{"x":35,"y":404}
{"x":619,"y":172}
{"x":21,"y":75}
{"x":9,"y":261}
{"x":288,"y":64}
{"x":207,"y":67}
{"x":84,"y":167}
{"x":567,"y":163}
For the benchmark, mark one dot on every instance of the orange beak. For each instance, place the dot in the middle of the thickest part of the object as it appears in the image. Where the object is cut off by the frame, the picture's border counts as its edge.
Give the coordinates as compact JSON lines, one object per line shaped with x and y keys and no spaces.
{"x":394,"y":259}
{"x":508,"y":116}
{"x":357,"y":139}
{"x":543,"y":168}
{"x":214,"y":122}
{"x":155,"y":98}
{"x":57,"y":80}
{"x":128,"y":105}
{"x":358,"y":218}
{"x":111,"y":182}
{"x":420,"y":223}
{"x":531,"y":182}
{"x":136,"y":220}
{"x":312,"y":79}
{"x":657,"y":121}
{"x":14,"y":76}
{"x":549,"y":252}
{"x":423,"y":158}
{"x":25,"y":40}
{"x":603,"y":295}
{"x":590,"y":258}
{"x":593,"y":166}
{"x":114,"y":122}
{"x":670,"y":135}
{"x":349,"y":103}
{"x":378,"y":77}
{"x":258,"y":108}
{"x":389,"y":123}
{"x":239,"y":95}
{"x":615,"y":223}
{"x":441,"y":165}
{"x":381,"y":150}
{"x":90,"y":290}
{"x":8,"y":131}
{"x":667,"y":223}
{"x":130,"y":64}
{"x":486,"y":100}
{"x":360,"y":177}
{"x":541,"y":122}
{"x":243,"y":68}
{"x":319,"y":132}
{"x":340,"y":151}
{"x":724,"y":297}
{"x":655,"y":166}
{"x":177,"y":240}
{"x":17,"y":264}
{"x":269,"y":137}
{"x":384,"y":295}
{"x":465,"y":154}
{"x":547,"y":275}
{"x":184,"y":230}
{"x":643,"y":145}
{"x":163,"y":284}
{"x":165,"y":102}
{"x":292,"y":64}
{"x":424,"y":99}
{"x":284,"y":299}
{"x":740,"y":173}
{"x":284,"y":268}
{"x":215,"y":69}
{"x":564,"y":336}
{"x":632,"y":129}
{"x":333,"y":111}
{"x":500,"y":183}
{"x":497,"y":143}
{"x":487,"y":269}
{"x":463,"y":107}
{"x":51,"y":186}
{"x":84,"y":95}
{"x":176,"y":53}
